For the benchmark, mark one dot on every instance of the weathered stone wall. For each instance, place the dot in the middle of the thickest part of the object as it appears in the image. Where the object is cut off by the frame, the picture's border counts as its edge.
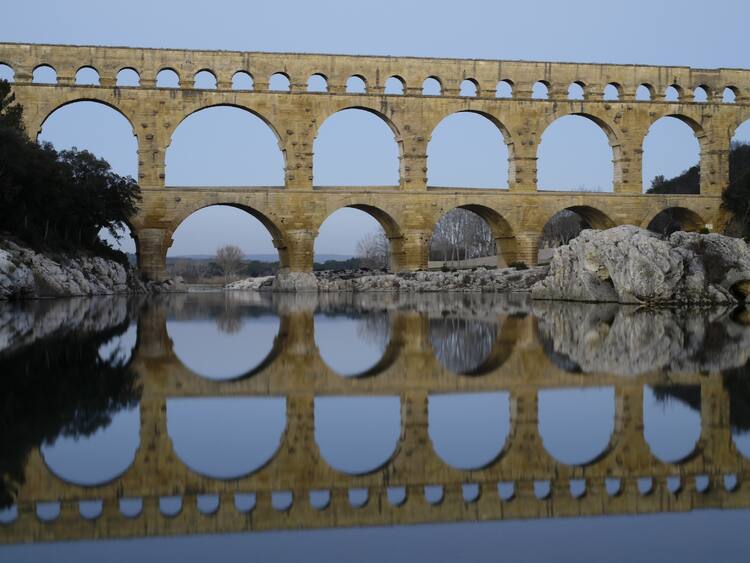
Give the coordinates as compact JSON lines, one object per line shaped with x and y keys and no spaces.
{"x":408,"y":211}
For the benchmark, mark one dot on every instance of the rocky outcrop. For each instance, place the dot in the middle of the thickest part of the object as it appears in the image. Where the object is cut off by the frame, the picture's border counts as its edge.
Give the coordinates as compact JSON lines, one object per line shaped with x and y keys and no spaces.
{"x":25,"y":273}
{"x":254,"y":284}
{"x":631,"y":265}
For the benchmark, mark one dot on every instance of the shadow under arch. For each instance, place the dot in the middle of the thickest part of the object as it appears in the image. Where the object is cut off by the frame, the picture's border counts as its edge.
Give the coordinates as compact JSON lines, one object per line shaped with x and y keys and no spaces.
{"x":502,"y":231}
{"x":279,"y":240}
{"x":671,"y":219}
{"x":110,"y":105}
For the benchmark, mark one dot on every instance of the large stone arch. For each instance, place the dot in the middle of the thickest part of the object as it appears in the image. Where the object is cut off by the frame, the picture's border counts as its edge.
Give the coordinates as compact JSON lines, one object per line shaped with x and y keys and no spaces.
{"x":502,"y":230}
{"x":688,"y":219}
{"x":336,"y":109}
{"x":699,"y":132}
{"x":34,"y":126}
{"x":433,"y":124}
{"x":277,"y":234}
{"x":591,"y":216}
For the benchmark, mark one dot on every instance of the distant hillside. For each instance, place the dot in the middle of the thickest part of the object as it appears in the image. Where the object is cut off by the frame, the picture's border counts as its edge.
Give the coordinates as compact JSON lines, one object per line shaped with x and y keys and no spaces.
{"x":260,"y":257}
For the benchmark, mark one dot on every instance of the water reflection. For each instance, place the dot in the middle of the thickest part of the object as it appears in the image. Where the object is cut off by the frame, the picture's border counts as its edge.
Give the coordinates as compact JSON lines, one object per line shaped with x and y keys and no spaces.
{"x":194,"y":412}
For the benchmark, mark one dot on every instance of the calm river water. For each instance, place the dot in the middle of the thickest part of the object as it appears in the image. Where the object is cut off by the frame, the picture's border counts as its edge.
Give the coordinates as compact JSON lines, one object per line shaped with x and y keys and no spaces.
{"x":381,"y":427}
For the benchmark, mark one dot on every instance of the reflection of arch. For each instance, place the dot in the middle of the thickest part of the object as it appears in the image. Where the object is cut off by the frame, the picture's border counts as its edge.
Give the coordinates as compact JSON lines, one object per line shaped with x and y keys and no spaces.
{"x":671,"y":219}
{"x":233,"y":423}
{"x":502,"y":347}
{"x":677,"y":419}
{"x":339,"y":426}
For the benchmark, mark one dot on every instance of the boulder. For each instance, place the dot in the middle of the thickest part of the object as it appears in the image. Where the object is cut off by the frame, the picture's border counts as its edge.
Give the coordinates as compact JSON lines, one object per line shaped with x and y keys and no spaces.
{"x":295,"y":281}
{"x":628,"y":264}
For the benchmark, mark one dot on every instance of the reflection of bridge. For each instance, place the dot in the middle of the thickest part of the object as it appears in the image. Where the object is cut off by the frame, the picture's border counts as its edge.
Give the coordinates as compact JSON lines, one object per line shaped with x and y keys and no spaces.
{"x":295,"y":371}
{"x":409,"y":211}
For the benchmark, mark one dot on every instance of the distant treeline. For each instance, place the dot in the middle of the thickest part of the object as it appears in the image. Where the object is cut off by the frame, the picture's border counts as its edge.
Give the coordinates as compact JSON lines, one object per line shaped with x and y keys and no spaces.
{"x":194,"y":270}
{"x":54,"y":200}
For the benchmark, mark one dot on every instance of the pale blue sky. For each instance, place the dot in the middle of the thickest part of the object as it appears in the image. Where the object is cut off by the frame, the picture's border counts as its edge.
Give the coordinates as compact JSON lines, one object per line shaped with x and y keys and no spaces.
{"x":464,"y":150}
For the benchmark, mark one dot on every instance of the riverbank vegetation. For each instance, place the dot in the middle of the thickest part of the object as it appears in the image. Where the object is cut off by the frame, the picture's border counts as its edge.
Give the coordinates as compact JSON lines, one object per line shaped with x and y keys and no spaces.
{"x":58,"y":201}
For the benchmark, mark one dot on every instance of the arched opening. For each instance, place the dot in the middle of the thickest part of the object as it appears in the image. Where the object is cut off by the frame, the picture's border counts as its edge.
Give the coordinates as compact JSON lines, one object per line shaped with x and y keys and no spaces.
{"x":242,"y":80}
{"x":108,"y":451}
{"x":575,"y":91}
{"x":469,"y":88}
{"x":6,"y":73}
{"x":675,"y":219}
{"x":226,"y":437}
{"x":576,"y":425}
{"x":395,"y":86}
{"x":540,"y":90}
{"x":644,"y":93}
{"x":729,"y":95}
{"x":353,"y":344}
{"x":504,"y":89}
{"x":317,"y":83}
{"x":128,"y":77}
{"x":44,"y":74}
{"x":612,"y":92}
{"x":567,"y":224}
{"x":585,"y":165}
{"x":468,"y":149}
{"x":671,"y":157}
{"x":357,"y":435}
{"x":431,"y":87}
{"x":468,"y":430}
{"x":356,"y":85}
{"x":167,"y":78}
{"x":700,"y":94}
{"x":356,"y":147}
{"x":196,"y":241}
{"x":472,"y":235}
{"x":204,"y":80}
{"x":224,"y":146}
{"x":236,"y":337}
{"x":672,"y":93}
{"x":463,"y":345}
{"x":672,"y":420}
{"x":87,"y":76}
{"x":279,"y":82}
{"x":104,"y":132}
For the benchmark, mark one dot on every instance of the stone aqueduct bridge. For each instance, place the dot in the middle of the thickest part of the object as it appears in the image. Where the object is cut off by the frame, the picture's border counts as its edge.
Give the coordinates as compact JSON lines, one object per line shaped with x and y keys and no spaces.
{"x":409,"y":211}
{"x":295,"y":371}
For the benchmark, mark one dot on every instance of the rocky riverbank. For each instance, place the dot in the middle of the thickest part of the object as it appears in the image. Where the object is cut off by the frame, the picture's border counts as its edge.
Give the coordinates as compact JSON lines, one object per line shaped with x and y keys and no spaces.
{"x":25,"y":273}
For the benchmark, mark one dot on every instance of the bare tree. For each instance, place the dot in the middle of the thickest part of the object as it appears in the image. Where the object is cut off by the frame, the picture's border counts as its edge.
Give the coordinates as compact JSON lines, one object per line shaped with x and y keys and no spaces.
{"x":373,"y":250}
{"x":562,"y":227}
{"x":461,"y":234}
{"x":229,"y":258}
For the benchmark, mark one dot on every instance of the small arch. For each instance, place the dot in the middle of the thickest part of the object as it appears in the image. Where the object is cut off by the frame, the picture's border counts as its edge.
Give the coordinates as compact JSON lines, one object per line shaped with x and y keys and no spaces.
{"x":672,"y":421}
{"x":612,"y":91}
{"x":701,"y":94}
{"x":432,"y":86}
{"x":128,"y":77}
{"x":317,"y":83}
{"x":226,"y":437}
{"x":540,"y":90}
{"x":7,"y":73}
{"x":469,"y":88}
{"x":87,"y":76}
{"x":644,"y":93}
{"x":366,"y":140}
{"x":576,"y":91}
{"x":204,"y":80}
{"x":357,"y":435}
{"x":279,"y":82}
{"x":395,"y":86}
{"x":356,"y":84}
{"x":469,"y":430}
{"x":672,"y":219}
{"x":729,"y":96}
{"x":673,"y":93}
{"x":167,"y":78}
{"x":576,"y":425}
{"x":242,"y":80}
{"x":504,"y":89}
{"x":44,"y":74}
